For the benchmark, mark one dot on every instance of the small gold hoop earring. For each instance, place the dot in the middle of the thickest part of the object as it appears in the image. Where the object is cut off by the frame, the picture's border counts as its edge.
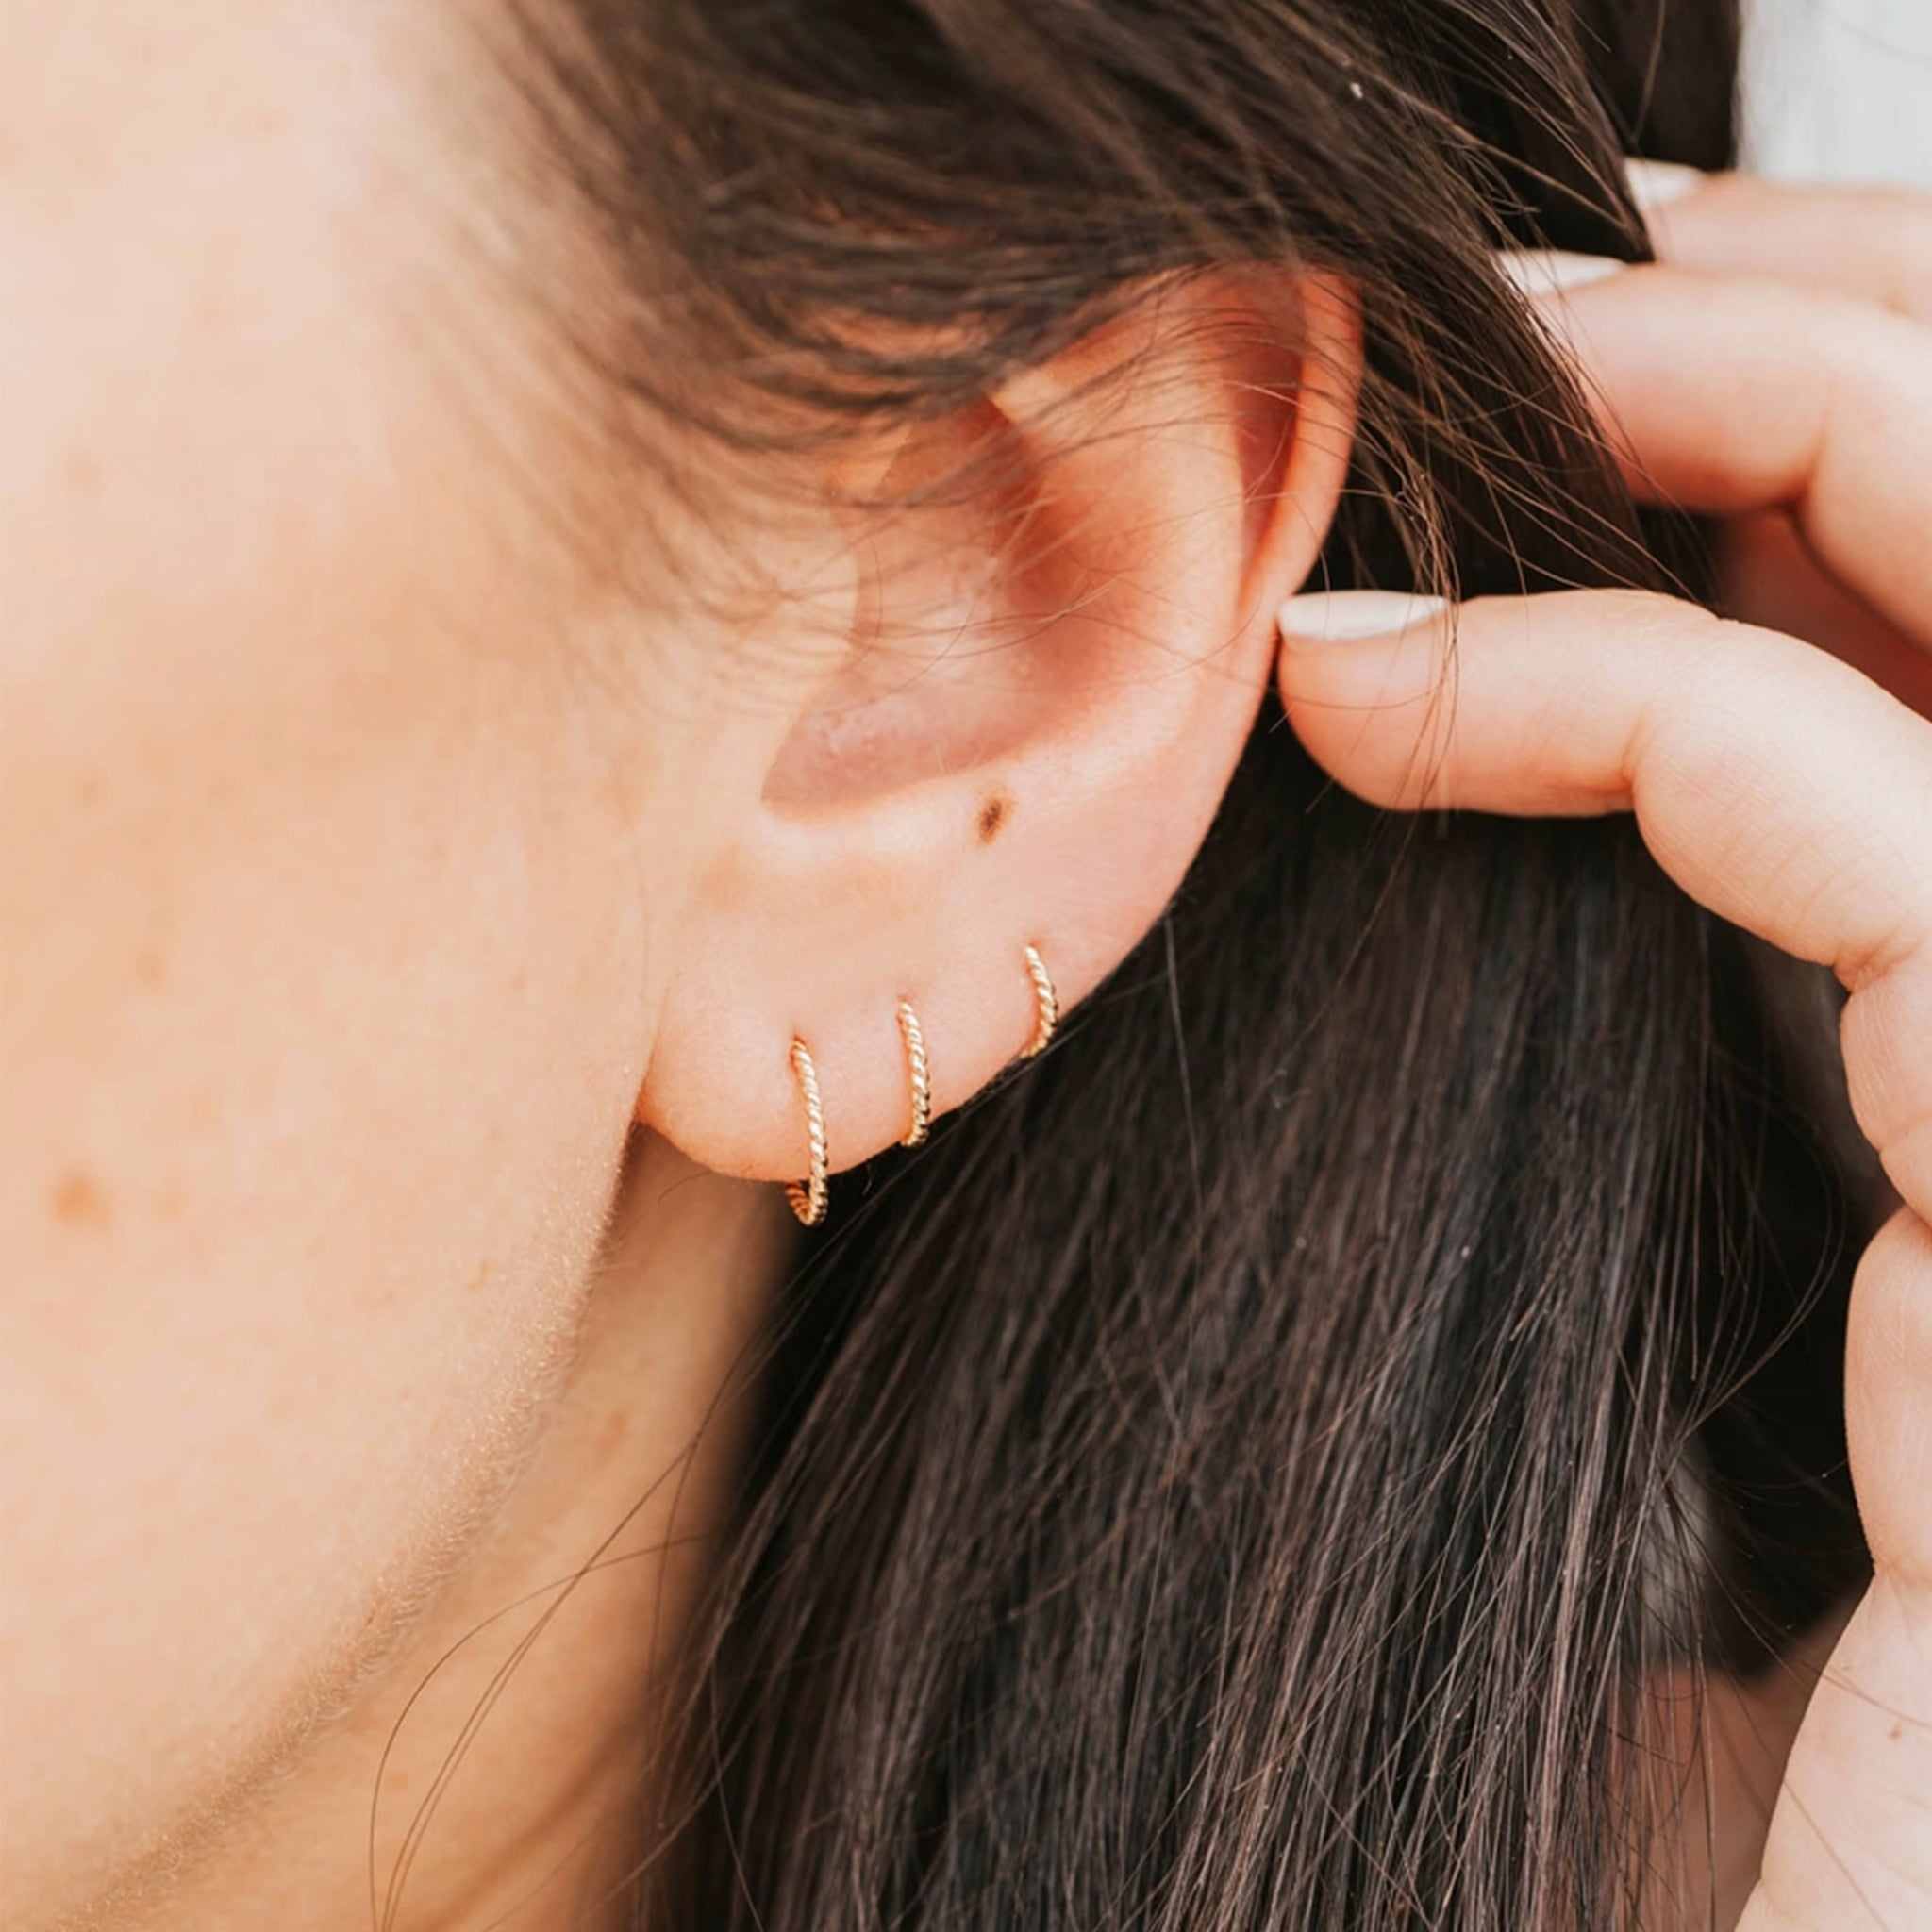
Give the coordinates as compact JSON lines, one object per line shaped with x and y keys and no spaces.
{"x":916,"y":1074}
{"x":807,"y":1197}
{"x":1046,"y":1004}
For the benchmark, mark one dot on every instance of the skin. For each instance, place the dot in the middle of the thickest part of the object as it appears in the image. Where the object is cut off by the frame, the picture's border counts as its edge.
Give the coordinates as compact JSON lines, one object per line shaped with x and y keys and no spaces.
{"x":1782,"y":787}
{"x":408,"y":911}
{"x":400,"y":891}
{"x":308,"y":1152}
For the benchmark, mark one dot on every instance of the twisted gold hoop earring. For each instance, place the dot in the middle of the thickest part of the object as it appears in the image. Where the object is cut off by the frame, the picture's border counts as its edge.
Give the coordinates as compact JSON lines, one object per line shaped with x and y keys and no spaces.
{"x":916,"y":1074}
{"x":807,"y":1197}
{"x":1046,"y":1004}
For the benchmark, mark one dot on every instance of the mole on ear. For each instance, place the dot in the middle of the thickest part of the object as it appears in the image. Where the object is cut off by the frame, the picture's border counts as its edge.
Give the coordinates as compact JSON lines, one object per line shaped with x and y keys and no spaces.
{"x":994,"y":814}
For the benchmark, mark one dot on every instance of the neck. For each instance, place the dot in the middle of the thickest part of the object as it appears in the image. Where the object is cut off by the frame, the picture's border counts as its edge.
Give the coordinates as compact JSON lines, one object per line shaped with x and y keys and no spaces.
{"x":497,"y":1770}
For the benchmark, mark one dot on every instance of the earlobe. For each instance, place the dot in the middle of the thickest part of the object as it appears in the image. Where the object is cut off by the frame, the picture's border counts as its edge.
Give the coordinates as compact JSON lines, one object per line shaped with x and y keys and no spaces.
{"x":986,"y":804}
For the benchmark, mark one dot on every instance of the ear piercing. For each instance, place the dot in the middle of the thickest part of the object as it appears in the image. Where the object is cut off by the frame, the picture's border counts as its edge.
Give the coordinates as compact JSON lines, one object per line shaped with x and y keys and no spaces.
{"x":916,"y":1074}
{"x":807,"y":1197}
{"x":1046,"y":1004}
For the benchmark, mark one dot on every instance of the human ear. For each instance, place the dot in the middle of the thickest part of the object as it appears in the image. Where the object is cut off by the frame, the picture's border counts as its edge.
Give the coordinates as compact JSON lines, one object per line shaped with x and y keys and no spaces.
{"x":1023,"y":733}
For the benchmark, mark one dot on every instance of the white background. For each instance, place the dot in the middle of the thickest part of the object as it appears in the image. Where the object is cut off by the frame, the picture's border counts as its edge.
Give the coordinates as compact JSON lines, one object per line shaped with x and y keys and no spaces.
{"x":1840,"y":89}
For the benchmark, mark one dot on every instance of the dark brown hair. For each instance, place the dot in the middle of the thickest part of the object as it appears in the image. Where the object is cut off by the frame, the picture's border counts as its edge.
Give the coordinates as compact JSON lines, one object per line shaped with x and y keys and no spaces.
{"x":1242,"y":1474}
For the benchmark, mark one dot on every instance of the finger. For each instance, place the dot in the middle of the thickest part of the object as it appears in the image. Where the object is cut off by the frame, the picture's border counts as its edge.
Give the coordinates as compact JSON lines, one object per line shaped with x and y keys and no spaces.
{"x":1775,"y":785}
{"x":1847,"y":1847}
{"x":1767,"y":574}
{"x":1848,"y":1844}
{"x":1734,"y":397}
{"x":1888,"y":1420}
{"x":1874,"y":243}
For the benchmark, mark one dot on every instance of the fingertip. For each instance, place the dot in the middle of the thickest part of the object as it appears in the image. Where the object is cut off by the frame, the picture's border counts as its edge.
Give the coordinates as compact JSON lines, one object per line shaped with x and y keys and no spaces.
{"x":1657,"y":184}
{"x":1322,"y":617}
{"x":1361,"y":674}
{"x":1543,"y":273}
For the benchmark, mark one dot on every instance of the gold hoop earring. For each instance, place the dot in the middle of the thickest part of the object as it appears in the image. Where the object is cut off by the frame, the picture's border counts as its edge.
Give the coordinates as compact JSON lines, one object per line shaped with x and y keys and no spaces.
{"x":807,"y":1197}
{"x":916,"y":1074}
{"x":1046,"y":1004}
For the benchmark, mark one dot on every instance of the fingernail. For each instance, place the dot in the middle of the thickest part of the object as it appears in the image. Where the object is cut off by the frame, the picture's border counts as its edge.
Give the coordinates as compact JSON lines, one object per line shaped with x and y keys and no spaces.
{"x":1333,"y":617}
{"x":1548,"y":271}
{"x":1657,"y":184}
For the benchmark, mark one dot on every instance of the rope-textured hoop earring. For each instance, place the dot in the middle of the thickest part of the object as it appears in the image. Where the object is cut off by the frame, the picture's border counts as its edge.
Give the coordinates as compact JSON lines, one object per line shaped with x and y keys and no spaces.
{"x":916,"y":1074}
{"x":807,"y":1197}
{"x":1046,"y":1004}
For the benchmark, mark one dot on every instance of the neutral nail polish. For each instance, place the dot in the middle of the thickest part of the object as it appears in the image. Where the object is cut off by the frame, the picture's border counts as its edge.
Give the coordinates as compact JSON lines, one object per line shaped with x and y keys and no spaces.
{"x":1539,"y":272}
{"x":1333,"y":617}
{"x":1657,"y":184}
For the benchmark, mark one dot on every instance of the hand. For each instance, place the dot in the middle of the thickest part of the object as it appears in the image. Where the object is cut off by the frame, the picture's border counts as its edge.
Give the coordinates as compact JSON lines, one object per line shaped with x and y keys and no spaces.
{"x":1783,"y":788}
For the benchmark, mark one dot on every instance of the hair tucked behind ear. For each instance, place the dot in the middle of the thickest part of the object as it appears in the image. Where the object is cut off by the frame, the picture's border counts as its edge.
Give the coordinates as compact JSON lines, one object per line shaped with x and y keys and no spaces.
{"x":1242,"y":1471}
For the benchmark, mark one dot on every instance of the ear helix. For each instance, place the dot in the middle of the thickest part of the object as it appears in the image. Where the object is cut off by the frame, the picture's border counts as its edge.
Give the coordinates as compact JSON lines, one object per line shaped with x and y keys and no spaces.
{"x":808,"y":1197}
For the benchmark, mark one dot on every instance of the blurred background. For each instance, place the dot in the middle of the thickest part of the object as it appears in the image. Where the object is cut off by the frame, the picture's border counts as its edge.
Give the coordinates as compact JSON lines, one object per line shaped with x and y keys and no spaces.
{"x":1840,"y":89}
